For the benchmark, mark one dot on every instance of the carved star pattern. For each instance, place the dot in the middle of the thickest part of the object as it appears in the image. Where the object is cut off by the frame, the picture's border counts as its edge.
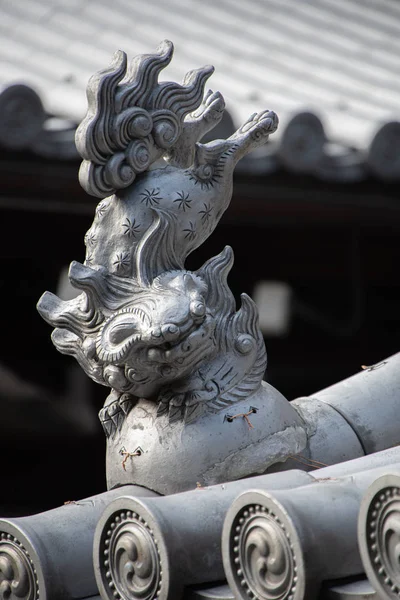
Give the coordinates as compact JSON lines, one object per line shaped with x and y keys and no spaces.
{"x":101,"y":209}
{"x":190,"y":232}
{"x":89,"y":259}
{"x":90,"y":239}
{"x":183,"y":201}
{"x":121,"y":261}
{"x":131,"y":229}
{"x":206,"y":213}
{"x":151,"y":198}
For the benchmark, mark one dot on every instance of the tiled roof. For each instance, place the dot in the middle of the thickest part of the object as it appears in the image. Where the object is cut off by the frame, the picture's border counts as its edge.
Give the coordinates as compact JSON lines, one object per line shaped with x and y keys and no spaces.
{"x":336,"y":59}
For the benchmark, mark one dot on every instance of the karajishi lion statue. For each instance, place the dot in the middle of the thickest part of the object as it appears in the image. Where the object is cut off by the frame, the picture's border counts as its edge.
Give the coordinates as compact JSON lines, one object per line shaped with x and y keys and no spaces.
{"x":143,"y":325}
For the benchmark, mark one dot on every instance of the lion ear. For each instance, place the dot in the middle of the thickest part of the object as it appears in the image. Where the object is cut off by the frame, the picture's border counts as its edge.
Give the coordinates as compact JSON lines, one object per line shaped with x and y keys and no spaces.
{"x":215,"y":273}
{"x":156,"y":252}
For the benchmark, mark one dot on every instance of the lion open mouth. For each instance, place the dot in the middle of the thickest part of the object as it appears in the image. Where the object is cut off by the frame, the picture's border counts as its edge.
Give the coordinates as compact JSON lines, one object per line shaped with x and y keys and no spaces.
{"x":129,"y":337}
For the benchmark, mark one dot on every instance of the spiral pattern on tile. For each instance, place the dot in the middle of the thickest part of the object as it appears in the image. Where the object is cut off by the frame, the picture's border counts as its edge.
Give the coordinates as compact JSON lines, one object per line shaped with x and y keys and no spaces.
{"x":131,"y":568}
{"x":383,"y":538}
{"x":261,"y":550}
{"x":18,"y":578}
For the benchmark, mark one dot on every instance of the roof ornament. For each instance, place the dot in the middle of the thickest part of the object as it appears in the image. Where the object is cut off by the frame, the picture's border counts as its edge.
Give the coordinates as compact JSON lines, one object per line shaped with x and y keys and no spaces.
{"x":144,"y":325}
{"x":188,"y":407}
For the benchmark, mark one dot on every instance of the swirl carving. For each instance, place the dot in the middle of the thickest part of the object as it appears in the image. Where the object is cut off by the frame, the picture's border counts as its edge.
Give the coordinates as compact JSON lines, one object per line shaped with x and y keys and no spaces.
{"x":205,"y":172}
{"x":265,"y":563}
{"x":139,"y":155}
{"x":18,"y":578}
{"x":132,"y":123}
{"x":383,"y":538}
{"x":92,"y":179}
{"x":132,"y":565}
{"x":166,"y":128}
{"x":118,"y":172}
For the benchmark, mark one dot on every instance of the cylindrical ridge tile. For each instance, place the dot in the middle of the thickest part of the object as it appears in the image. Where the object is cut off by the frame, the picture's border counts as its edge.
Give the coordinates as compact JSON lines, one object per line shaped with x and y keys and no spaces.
{"x":379,"y":535}
{"x":281,"y":544}
{"x":368,"y":402}
{"x":152,"y":548}
{"x":48,"y":556}
{"x":266,"y":559}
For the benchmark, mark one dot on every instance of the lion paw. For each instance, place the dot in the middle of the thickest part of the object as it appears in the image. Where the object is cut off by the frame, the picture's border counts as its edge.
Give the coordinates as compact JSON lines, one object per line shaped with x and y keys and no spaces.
{"x":260,"y":125}
{"x":211,"y":109}
{"x":207,"y":116}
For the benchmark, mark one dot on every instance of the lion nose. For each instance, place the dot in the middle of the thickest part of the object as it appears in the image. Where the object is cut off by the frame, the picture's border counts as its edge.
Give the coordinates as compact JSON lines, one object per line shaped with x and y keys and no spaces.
{"x":197,"y":309}
{"x":170,"y":332}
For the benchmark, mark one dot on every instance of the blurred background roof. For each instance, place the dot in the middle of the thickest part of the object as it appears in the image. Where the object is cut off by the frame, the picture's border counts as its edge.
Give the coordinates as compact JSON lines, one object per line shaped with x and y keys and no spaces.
{"x":329,"y":68}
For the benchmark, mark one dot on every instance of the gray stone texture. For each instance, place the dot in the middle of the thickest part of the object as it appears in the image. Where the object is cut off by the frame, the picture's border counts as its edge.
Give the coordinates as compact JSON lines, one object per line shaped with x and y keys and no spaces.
{"x":49,"y":555}
{"x":213,"y":449}
{"x":379,"y":534}
{"x":180,"y":535}
{"x":186,"y":528}
{"x":360,"y":589}
{"x":294,"y":541}
{"x":353,"y":417}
